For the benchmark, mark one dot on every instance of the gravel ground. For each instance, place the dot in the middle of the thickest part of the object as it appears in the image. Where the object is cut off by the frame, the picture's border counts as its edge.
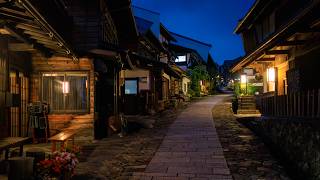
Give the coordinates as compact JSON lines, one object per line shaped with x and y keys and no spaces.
{"x":246,"y":154}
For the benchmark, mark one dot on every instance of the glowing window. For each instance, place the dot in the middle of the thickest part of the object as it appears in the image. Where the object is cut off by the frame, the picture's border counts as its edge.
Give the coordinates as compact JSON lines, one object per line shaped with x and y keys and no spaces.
{"x":181,"y":59}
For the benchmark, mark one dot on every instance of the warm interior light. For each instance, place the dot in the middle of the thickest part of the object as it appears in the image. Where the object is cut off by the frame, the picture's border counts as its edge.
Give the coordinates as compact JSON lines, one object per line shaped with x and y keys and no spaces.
{"x":4,"y":31}
{"x":243,"y":78}
{"x":65,"y":87}
{"x":271,"y":75}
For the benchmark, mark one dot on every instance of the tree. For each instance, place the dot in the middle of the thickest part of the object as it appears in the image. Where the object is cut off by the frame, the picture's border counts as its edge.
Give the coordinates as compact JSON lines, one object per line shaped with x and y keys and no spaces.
{"x":197,"y":73}
{"x":213,"y":71}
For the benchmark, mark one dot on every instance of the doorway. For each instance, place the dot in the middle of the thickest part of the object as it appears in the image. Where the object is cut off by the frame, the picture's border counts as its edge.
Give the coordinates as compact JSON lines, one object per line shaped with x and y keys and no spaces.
{"x":131,"y":95}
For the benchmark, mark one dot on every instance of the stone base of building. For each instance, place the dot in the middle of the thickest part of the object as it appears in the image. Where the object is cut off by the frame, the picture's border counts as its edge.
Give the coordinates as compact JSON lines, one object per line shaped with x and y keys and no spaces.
{"x":296,"y":141}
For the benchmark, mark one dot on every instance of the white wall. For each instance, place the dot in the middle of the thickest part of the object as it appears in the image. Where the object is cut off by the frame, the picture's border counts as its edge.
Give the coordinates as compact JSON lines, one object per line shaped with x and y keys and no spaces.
{"x":143,"y":75}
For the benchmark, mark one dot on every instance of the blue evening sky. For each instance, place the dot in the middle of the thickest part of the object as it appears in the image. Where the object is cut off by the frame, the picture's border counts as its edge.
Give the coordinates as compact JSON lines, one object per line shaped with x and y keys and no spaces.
{"x":210,"y":21}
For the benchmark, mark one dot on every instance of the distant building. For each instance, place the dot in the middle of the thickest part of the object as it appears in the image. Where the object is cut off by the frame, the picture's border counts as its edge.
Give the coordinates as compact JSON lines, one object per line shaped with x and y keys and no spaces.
{"x":224,"y":70}
{"x":190,"y":53}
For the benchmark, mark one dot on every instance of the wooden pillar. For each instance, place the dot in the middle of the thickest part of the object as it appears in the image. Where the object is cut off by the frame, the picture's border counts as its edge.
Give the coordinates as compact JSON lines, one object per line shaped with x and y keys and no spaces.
{"x":313,"y":104}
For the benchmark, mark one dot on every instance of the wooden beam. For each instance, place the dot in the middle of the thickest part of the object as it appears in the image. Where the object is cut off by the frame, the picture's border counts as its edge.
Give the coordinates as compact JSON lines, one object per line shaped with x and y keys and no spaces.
{"x":15,"y":8}
{"x":20,"y":47}
{"x":19,"y":11}
{"x":6,"y":4}
{"x":46,"y":42}
{"x":292,"y":43}
{"x":26,"y":39}
{"x":276,"y":52}
{"x":15,"y":15}
{"x":265,"y":60}
{"x":310,"y":30}
{"x":27,"y":26}
{"x":40,"y":35}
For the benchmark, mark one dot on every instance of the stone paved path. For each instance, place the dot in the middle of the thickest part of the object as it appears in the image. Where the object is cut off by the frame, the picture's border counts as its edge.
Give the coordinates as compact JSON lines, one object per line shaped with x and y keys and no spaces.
{"x":191,"y":148}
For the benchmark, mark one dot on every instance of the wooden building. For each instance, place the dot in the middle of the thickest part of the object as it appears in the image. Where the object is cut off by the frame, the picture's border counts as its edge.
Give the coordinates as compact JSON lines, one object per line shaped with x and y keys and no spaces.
{"x":67,"y":54}
{"x":191,"y":53}
{"x":146,"y":84}
{"x":30,"y":42}
{"x":282,"y":44}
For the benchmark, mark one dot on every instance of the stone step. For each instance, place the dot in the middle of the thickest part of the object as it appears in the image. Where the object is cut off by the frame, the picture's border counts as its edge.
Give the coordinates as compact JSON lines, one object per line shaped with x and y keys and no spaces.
{"x":247,"y":99}
{"x":248,"y":107}
{"x":242,"y":111}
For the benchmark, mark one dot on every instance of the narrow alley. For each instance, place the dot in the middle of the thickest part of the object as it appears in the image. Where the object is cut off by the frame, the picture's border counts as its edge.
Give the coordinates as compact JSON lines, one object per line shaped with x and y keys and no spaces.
{"x":187,"y":145}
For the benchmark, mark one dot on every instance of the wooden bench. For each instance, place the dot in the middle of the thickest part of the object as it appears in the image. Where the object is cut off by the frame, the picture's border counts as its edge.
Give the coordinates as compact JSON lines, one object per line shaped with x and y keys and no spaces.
{"x":62,"y":138}
{"x":12,"y":142}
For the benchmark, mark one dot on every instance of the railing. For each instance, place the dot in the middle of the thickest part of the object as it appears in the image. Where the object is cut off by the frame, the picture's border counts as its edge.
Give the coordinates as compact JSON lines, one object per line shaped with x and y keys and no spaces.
{"x":301,"y":104}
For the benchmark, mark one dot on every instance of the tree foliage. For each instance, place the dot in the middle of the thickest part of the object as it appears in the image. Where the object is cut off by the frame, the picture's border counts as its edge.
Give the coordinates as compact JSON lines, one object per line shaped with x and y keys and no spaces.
{"x":197,"y":74}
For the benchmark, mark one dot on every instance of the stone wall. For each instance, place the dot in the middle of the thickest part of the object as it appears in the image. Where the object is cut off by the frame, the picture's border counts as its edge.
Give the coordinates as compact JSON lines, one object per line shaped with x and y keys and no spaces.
{"x":297,"y":141}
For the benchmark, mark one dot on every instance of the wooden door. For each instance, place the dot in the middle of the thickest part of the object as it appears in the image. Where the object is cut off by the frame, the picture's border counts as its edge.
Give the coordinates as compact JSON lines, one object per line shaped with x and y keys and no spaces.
{"x":19,"y":88}
{"x":131,"y":96}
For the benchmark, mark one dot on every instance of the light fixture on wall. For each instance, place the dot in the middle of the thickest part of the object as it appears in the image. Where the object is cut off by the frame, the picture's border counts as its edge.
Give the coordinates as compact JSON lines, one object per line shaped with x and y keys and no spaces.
{"x":271,"y":75}
{"x":271,"y":79}
{"x":243,"y":78}
{"x":244,"y":83}
{"x":65,"y":87}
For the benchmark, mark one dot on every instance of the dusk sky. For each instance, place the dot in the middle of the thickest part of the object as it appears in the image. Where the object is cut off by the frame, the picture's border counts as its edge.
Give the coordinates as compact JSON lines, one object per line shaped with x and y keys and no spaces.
{"x":210,"y":21}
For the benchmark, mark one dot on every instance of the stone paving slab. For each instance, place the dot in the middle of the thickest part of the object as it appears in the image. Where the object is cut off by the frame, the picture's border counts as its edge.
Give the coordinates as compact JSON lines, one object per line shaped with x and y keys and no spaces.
{"x":191,"y":148}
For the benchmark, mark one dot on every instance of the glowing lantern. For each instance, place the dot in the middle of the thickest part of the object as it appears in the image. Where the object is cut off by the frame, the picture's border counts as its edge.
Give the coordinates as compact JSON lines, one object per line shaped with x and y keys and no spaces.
{"x":271,"y":75}
{"x":65,"y":87}
{"x":243,"y":79}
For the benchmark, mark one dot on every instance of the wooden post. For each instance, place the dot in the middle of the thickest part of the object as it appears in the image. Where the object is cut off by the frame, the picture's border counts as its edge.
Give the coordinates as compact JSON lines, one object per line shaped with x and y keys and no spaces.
{"x":294,"y":113}
{"x":313,"y":104}
{"x":303,"y":104}
{"x":287,"y":105}
{"x":319,"y":103}
{"x":299,"y":104}
{"x":308,"y":104}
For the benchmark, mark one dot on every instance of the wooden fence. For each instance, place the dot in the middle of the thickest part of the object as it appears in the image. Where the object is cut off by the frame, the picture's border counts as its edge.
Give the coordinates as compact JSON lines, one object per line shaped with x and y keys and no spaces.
{"x":302,"y":104}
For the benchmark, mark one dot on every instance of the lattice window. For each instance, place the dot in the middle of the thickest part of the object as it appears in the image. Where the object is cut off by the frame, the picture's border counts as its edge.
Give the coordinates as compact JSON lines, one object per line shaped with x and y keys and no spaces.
{"x":66,"y":92}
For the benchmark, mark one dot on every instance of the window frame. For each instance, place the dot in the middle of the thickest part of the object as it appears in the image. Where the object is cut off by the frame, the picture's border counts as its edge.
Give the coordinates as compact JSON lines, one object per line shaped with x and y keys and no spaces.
{"x":65,"y":73}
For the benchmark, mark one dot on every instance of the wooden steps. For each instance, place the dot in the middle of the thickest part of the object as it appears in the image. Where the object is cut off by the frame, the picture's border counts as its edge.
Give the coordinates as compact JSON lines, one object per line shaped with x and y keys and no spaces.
{"x":247,"y":105}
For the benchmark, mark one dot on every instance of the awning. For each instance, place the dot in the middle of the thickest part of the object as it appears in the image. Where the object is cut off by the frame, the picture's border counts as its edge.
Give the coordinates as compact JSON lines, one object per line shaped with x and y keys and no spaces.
{"x":23,"y":21}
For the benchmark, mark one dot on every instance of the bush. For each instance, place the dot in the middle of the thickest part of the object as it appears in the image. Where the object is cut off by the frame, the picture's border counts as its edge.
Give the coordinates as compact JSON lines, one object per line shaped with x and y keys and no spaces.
{"x":235,"y":105}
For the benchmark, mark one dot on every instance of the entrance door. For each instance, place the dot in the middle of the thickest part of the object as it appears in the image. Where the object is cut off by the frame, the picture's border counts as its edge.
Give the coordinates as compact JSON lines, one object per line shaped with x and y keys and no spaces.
{"x":19,"y":88}
{"x":131,"y":105}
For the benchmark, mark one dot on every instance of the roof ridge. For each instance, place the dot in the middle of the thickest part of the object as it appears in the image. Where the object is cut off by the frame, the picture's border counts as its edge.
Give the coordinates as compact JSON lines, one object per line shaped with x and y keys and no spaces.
{"x":206,"y":44}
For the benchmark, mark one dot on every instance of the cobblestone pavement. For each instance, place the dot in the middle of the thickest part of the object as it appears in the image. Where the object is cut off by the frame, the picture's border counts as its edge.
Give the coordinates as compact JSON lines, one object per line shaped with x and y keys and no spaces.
{"x":246,"y":155}
{"x":191,"y":149}
{"x":117,"y":158}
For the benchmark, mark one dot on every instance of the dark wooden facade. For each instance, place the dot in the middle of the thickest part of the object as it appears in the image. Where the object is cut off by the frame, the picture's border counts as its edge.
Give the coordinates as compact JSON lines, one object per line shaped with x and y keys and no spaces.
{"x":74,"y":43}
{"x":283,"y":36}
